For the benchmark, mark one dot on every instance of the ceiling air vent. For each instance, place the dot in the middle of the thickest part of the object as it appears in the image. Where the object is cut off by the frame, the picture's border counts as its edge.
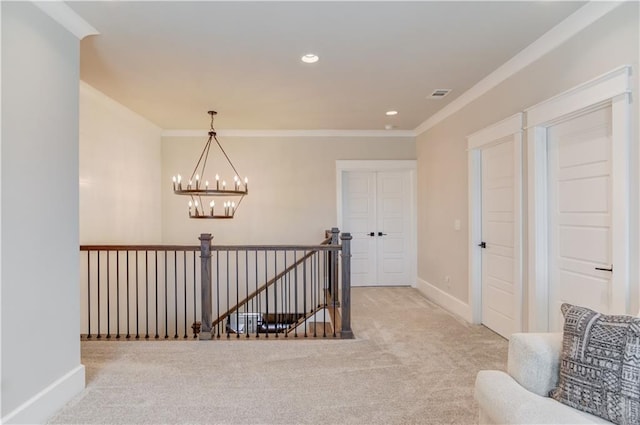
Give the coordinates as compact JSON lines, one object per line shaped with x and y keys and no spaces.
{"x":439,"y":93}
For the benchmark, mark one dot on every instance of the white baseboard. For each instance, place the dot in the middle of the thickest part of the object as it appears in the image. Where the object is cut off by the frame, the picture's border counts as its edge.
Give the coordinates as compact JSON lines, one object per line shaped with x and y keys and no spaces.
{"x":444,"y":300}
{"x":39,"y":408}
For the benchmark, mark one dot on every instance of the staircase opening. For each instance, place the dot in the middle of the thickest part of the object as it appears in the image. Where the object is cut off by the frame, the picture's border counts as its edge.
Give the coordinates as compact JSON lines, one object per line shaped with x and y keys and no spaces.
{"x":215,"y":292}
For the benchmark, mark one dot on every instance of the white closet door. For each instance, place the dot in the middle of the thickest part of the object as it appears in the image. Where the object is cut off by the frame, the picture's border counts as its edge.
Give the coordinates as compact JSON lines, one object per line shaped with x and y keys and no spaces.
{"x":359,"y":218}
{"x":580,"y":223}
{"x":498,"y":256}
{"x":377,"y":212}
{"x":393,"y":227}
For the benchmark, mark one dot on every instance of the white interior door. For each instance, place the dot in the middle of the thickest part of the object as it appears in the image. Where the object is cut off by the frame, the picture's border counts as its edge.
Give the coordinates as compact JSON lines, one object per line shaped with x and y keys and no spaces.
{"x":580,"y":225}
{"x":498,"y":256}
{"x":359,"y":218}
{"x":393,"y":217}
{"x":377,"y":213}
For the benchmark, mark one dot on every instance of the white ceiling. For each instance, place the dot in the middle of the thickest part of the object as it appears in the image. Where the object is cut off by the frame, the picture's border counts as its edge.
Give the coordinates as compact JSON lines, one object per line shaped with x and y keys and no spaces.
{"x":172,"y":61}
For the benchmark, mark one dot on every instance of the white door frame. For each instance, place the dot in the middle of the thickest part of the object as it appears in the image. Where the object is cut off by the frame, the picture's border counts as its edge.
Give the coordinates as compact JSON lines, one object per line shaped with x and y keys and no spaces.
{"x":508,"y":130}
{"x":611,"y":89}
{"x":410,"y":165}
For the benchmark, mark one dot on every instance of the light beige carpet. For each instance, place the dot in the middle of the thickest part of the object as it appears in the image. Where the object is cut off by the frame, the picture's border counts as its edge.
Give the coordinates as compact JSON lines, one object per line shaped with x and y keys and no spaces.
{"x":411,"y":363}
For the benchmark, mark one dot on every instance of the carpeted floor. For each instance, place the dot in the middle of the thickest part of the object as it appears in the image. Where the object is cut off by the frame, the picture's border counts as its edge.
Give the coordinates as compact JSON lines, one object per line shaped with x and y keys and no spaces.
{"x":411,"y":363}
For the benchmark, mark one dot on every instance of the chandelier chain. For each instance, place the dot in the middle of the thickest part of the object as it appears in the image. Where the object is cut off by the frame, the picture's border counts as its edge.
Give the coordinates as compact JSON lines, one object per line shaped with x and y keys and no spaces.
{"x":225,"y":155}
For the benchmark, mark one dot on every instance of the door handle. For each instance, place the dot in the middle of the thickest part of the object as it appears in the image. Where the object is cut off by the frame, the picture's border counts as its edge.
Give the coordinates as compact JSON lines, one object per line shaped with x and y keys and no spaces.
{"x":382,"y":234}
{"x":605,"y":270}
{"x":482,"y":244}
{"x":372,"y":234}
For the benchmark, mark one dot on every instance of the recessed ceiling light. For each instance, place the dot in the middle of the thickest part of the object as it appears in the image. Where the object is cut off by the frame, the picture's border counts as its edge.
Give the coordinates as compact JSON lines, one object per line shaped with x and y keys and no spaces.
{"x":391,"y":113}
{"x":310,"y":58}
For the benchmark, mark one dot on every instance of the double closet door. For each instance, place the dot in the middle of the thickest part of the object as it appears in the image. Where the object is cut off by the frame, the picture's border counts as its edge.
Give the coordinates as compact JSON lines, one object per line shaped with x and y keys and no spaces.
{"x":377,"y":211}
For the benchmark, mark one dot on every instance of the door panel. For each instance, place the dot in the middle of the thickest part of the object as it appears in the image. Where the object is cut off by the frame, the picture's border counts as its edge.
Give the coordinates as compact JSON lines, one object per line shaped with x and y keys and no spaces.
{"x":579,"y":170}
{"x":500,"y":301}
{"x":393,"y":266}
{"x":583,"y":243}
{"x":498,"y":221}
{"x":501,"y":268}
{"x":393,"y":225}
{"x":500,"y":232}
{"x":583,"y":194}
{"x":499,"y":198}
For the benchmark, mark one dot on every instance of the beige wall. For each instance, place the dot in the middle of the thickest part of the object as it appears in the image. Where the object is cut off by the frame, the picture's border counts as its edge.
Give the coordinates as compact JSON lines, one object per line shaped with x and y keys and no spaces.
{"x":292,"y":186}
{"x":610,"y":42}
{"x":119,"y":173}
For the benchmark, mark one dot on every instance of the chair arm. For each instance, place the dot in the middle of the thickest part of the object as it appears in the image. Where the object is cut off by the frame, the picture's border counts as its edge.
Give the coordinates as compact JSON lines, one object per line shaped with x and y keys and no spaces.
{"x":534,"y":359}
{"x":502,"y":401}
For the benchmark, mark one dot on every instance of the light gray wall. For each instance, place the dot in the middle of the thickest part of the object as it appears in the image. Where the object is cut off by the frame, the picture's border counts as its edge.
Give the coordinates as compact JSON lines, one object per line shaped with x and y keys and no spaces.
{"x":610,"y":42}
{"x":39,"y":189}
{"x":292,"y":186}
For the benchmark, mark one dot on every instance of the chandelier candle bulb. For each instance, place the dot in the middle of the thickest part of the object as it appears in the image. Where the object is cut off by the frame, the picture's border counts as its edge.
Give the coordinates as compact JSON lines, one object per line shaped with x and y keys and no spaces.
{"x":246,"y":184}
{"x":211,"y":205}
{"x":190,"y":205}
{"x":197,"y":181}
{"x":189,"y":185}
{"x":179,"y":182}
{"x":217,"y":182}
{"x":224,"y":185}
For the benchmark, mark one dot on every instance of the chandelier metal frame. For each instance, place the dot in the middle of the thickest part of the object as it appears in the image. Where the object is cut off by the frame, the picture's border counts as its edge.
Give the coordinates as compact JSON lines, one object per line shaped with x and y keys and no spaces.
{"x":195,"y":190}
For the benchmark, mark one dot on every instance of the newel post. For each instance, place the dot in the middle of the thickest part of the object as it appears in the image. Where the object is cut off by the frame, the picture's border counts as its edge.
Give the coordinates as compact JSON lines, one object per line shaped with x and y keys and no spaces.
{"x":335,"y":240}
{"x":346,"y":332}
{"x":205,"y":279}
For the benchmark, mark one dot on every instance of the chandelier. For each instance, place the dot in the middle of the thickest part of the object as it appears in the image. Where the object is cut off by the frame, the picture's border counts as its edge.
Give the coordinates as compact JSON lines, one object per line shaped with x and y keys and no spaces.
{"x":199,"y":189}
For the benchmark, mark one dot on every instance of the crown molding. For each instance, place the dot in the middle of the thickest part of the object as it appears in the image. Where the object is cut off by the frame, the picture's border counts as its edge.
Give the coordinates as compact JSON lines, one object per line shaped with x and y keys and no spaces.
{"x":292,"y":133}
{"x":67,"y":17}
{"x":557,"y":35}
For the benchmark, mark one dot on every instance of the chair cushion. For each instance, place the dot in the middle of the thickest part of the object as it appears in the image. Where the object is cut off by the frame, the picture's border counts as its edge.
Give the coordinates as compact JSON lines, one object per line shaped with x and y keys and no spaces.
{"x":600,"y":365}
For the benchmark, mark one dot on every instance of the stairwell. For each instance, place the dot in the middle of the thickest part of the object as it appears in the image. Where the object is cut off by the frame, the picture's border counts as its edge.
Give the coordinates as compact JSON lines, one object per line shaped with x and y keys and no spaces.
{"x":275,"y":291}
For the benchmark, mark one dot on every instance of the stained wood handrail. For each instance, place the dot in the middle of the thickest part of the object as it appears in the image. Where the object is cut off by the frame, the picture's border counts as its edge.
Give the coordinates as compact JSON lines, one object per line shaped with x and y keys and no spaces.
{"x":139,"y":247}
{"x":323,"y":246}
